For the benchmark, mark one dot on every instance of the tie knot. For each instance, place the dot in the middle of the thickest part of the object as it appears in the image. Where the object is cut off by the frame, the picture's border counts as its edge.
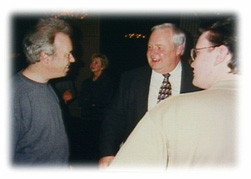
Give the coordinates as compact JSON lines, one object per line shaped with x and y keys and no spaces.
{"x":167,"y":75}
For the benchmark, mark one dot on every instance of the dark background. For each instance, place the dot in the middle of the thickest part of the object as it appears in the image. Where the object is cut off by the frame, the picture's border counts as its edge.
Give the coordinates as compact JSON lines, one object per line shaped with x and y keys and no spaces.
{"x":123,"y":53}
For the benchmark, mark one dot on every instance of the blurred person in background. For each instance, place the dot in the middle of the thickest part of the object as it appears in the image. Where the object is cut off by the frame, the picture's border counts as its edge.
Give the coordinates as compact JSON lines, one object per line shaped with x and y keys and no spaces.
{"x":96,"y":91}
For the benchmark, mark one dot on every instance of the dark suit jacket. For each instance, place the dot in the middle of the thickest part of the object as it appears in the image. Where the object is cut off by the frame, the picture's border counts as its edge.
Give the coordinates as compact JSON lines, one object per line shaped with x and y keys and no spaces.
{"x":130,"y":104}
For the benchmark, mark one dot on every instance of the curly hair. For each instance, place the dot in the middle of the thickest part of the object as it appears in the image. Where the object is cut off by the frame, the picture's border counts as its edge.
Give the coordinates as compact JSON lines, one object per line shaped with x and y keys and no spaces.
{"x":42,"y":38}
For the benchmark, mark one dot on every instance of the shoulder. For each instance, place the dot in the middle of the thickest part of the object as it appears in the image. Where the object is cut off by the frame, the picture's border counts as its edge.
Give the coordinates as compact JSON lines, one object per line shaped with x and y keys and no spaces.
{"x":138,"y":70}
{"x":183,"y":101}
{"x":19,"y":84}
{"x":105,"y":79}
{"x":23,"y":87}
{"x":139,"y":77}
{"x":194,"y":106}
{"x":87,"y":81}
{"x":138,"y":73}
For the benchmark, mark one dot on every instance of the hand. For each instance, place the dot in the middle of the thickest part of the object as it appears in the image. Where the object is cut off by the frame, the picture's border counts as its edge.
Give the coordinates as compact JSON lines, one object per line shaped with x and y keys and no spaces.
{"x":67,"y":96}
{"x":104,"y":162}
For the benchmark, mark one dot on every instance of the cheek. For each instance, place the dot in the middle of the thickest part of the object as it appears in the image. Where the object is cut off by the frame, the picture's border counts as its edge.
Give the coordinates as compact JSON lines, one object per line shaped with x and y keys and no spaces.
{"x":62,"y":60}
{"x":162,"y":53}
{"x":202,"y":74}
{"x":148,"y":53}
{"x":95,"y":66}
{"x":198,"y":68}
{"x":170,"y":54}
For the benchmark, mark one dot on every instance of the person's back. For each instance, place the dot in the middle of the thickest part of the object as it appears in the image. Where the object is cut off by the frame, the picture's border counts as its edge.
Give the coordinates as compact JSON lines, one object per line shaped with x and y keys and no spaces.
{"x":203,"y":123}
{"x":190,"y":130}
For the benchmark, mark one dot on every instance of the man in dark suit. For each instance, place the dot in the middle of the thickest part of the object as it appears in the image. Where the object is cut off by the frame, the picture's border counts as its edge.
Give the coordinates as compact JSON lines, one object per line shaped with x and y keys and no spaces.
{"x":139,"y":89}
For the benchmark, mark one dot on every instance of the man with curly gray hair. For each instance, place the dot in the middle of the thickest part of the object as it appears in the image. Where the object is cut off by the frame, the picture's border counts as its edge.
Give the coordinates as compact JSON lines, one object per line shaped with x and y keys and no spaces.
{"x":39,"y":136}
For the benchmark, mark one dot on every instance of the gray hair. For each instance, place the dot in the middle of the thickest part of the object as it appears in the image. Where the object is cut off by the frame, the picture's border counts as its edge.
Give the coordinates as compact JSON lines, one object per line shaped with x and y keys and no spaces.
{"x":179,"y":37}
{"x":42,"y":38}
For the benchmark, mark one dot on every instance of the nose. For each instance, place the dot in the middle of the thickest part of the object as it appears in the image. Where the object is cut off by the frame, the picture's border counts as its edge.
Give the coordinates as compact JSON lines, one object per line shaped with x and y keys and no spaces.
{"x":72,"y":59}
{"x":92,"y":64}
{"x":152,"y":52}
{"x":192,"y":64}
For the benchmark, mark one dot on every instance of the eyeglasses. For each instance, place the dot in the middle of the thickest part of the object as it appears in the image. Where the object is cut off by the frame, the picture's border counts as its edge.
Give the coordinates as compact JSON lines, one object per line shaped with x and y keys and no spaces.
{"x":194,"y":51}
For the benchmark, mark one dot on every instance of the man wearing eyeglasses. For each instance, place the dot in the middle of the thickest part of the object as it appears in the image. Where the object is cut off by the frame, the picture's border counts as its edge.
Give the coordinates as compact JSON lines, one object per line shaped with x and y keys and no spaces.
{"x":195,"y":129}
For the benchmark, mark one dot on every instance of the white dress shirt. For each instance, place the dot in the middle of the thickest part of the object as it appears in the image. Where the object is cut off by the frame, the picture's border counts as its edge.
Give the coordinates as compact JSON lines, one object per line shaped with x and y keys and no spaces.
{"x":156,"y":82}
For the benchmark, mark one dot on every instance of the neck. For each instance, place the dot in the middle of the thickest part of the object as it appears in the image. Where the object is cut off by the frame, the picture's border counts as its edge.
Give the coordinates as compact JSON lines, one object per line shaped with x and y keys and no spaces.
{"x":229,"y":76}
{"x":223,"y":73}
{"x":96,"y":75}
{"x":171,"y":67}
{"x":35,"y":73}
{"x":224,"y":77}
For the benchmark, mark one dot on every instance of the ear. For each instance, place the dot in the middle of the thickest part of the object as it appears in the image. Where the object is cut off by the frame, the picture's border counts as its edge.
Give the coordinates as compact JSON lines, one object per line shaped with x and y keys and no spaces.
{"x":44,"y":57}
{"x":222,"y":54}
{"x":102,"y":67}
{"x":180,"y":50}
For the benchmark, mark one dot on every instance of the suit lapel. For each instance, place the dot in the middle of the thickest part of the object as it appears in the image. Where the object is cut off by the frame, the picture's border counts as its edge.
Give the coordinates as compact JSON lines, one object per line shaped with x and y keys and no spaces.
{"x":186,"y":79}
{"x":143,"y":85}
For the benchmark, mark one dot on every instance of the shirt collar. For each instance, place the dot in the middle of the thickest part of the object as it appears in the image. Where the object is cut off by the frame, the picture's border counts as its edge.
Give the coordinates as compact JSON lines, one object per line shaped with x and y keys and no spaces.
{"x":175,"y":70}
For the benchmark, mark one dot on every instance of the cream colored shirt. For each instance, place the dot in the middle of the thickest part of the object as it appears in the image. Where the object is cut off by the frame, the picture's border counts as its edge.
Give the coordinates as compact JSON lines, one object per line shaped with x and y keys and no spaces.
{"x":156,"y":82}
{"x":190,"y":130}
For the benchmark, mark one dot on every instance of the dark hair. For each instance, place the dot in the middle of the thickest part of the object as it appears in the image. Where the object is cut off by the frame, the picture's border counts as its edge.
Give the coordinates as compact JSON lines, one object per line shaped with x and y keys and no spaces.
{"x":223,"y":32}
{"x":42,"y":38}
{"x":103,"y":58}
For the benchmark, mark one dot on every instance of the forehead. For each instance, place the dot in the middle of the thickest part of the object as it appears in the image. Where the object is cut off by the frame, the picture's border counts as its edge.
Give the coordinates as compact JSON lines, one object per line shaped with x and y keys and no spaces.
{"x":96,"y":59}
{"x":164,"y":34}
{"x":63,"y":41}
{"x":203,"y":40}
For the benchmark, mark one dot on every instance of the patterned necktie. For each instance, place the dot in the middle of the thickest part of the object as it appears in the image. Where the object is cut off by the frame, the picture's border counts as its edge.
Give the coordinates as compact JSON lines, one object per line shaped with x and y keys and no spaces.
{"x":165,"y":89}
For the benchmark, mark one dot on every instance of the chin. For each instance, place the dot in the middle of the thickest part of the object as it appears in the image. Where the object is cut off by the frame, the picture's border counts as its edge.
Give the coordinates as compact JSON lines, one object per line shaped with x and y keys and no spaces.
{"x":195,"y":83}
{"x":199,"y":85}
{"x":62,"y":75}
{"x":65,"y":74}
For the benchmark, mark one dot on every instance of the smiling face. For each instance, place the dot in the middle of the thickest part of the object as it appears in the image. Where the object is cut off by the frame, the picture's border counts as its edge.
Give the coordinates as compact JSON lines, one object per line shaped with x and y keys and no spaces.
{"x":61,"y":60}
{"x":162,"y":54}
